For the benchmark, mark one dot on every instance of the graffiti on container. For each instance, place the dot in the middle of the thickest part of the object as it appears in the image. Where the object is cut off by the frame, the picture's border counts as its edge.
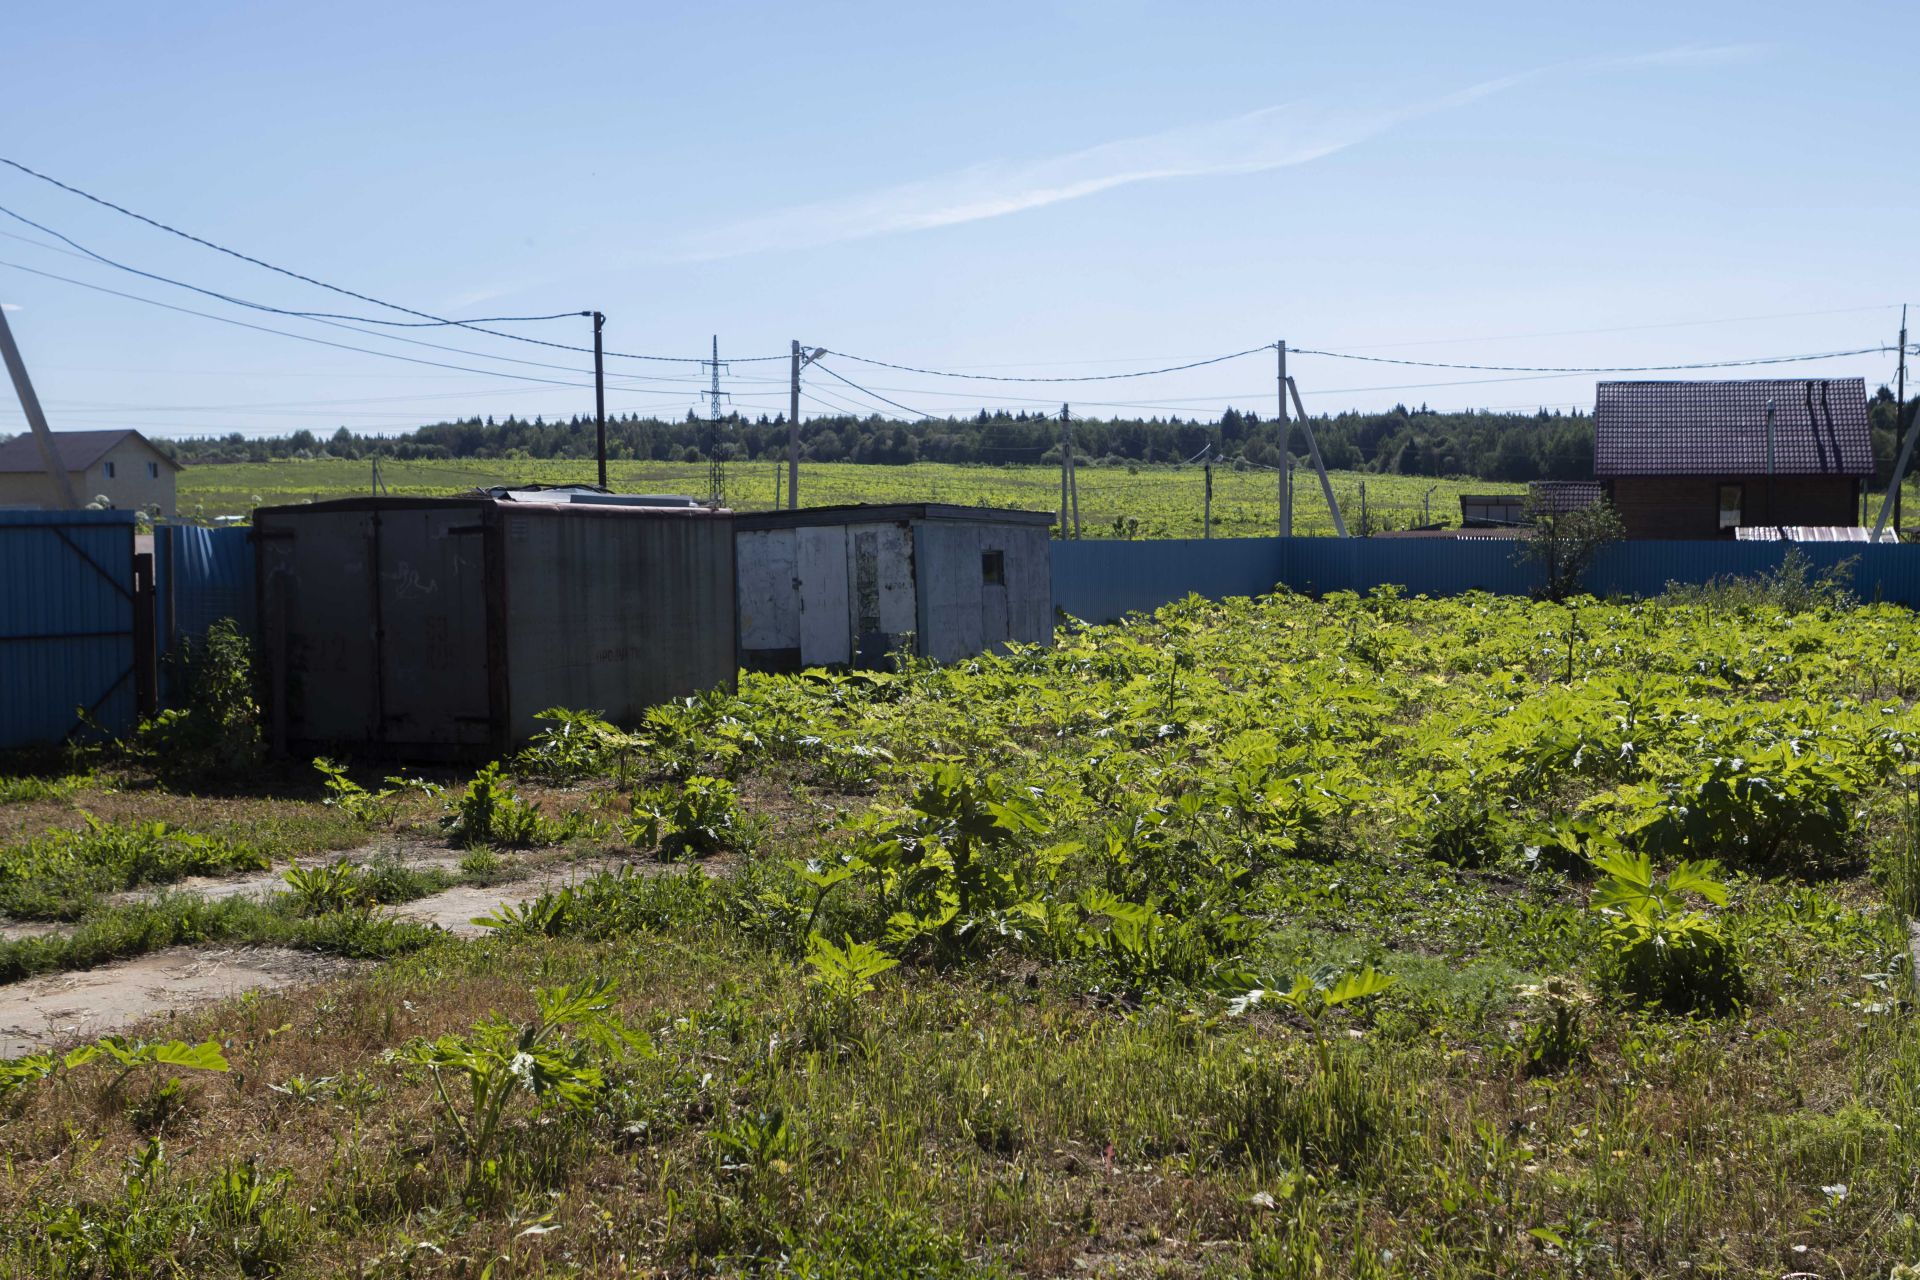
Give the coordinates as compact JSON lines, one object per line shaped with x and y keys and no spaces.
{"x":408,"y":584}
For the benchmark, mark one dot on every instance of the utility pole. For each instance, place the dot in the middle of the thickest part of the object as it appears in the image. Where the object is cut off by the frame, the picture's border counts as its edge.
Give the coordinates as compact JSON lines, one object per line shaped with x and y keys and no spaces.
{"x":1319,"y":464}
{"x":599,"y":399}
{"x":1206,"y":510}
{"x":801,"y":359}
{"x":1892,"y":502}
{"x":1063,"y":471}
{"x":1286,"y":453}
{"x":1073,"y":472}
{"x":36,"y":419}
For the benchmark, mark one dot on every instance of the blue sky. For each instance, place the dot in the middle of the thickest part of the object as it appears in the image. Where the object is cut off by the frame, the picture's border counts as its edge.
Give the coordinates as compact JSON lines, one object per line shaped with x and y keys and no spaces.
{"x":1044,"y":189}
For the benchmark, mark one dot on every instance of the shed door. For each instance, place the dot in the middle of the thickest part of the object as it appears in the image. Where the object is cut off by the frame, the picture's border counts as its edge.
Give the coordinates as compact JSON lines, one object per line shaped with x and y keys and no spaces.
{"x":821,"y":567}
{"x":995,"y":629}
{"x":432,"y":621}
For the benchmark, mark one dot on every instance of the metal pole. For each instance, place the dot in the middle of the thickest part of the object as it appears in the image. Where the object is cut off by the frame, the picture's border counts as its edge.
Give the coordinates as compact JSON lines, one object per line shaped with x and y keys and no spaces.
{"x":1206,"y":511}
{"x":793,"y":430}
{"x":36,"y":419}
{"x":1286,"y":451}
{"x":599,"y":399}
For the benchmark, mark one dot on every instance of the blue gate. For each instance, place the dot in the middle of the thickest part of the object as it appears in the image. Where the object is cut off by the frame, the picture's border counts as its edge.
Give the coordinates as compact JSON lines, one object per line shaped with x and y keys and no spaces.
{"x":67,"y":651}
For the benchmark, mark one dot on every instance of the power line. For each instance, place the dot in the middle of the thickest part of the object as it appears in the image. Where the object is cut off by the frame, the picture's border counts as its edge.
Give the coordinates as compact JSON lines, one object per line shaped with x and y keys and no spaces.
{"x":334,"y":288}
{"x":871,"y":394}
{"x":262,"y":306}
{"x":1621,"y":368}
{"x":1089,"y":377}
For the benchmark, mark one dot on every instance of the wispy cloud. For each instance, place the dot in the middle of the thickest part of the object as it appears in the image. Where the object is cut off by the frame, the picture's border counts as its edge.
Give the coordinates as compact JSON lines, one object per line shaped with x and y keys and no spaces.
{"x":1271,"y":138}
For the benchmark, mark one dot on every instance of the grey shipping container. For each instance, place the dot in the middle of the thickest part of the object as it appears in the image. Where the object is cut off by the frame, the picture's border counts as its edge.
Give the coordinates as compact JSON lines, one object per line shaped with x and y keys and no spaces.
{"x":438,"y":628}
{"x":846,"y":585}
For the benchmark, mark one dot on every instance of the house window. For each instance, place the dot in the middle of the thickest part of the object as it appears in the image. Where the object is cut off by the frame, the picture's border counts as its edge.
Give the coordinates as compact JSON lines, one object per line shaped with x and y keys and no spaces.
{"x":1730,"y":506}
{"x":153,"y":471}
{"x":109,"y":471}
{"x":993,"y":567}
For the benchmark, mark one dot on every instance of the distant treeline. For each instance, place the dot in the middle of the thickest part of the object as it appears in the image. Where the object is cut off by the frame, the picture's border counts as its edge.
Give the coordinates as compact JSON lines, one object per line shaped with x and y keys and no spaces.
{"x":1547,"y":445}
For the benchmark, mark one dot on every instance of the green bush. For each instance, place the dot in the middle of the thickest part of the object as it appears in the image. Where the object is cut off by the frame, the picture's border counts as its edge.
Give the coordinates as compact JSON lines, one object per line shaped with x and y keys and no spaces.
{"x":1657,"y":949}
{"x":213,"y":728}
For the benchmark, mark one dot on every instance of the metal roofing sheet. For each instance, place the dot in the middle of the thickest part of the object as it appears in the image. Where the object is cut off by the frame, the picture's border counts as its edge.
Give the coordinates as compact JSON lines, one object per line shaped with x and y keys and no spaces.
{"x":1721,"y":428}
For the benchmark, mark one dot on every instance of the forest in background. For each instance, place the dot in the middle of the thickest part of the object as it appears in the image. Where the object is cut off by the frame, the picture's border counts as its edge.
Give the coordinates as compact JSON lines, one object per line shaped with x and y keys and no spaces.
{"x":1509,"y":447}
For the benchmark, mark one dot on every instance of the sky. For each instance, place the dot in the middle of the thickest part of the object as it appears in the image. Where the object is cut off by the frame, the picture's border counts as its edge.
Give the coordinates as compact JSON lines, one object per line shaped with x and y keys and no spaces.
{"x":1037,"y":190}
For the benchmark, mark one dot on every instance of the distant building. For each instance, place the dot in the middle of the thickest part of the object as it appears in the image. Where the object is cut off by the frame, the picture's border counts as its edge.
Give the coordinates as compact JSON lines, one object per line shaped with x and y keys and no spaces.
{"x":1703,"y":459}
{"x":121,"y":466}
{"x":1492,"y":510}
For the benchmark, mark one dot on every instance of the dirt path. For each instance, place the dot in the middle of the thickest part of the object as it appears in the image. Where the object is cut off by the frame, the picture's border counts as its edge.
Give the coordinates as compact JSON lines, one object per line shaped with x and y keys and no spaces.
{"x":60,"y":1008}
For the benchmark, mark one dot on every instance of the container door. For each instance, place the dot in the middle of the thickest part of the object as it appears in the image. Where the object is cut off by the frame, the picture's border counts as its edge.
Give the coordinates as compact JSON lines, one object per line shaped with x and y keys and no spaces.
{"x":825,"y":633}
{"x":432,"y":629}
{"x":995,"y":629}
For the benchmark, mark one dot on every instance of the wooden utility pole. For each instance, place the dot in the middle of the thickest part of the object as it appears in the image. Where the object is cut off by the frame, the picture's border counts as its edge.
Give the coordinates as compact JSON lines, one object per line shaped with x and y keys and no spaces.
{"x":36,"y":419}
{"x":599,"y":399}
{"x":1286,"y":453}
{"x":1206,"y":509}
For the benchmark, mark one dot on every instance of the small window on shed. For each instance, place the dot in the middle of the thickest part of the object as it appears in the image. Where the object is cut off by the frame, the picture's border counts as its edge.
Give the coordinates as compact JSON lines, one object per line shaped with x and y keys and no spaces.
{"x":109,"y":471}
{"x":993,"y":567}
{"x":153,"y":471}
{"x":1730,"y":506}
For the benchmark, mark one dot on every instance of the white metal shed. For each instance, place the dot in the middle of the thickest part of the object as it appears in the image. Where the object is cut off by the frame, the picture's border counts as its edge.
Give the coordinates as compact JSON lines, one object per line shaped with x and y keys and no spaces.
{"x":845,"y":586}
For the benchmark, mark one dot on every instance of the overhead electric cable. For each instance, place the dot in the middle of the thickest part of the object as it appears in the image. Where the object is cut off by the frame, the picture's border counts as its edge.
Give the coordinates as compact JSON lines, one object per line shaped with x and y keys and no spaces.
{"x":1618,"y":368}
{"x":870,"y":394}
{"x":1087,"y":377}
{"x":334,"y":288}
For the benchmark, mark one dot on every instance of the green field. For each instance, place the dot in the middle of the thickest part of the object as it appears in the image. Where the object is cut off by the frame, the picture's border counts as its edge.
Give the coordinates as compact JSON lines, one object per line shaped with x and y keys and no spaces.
{"x":1167,"y":501}
{"x":1363,"y":937}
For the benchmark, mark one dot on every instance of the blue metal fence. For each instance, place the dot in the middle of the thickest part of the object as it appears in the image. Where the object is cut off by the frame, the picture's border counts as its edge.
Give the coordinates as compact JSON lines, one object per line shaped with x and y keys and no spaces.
{"x":1101,"y":581}
{"x":200,"y":577}
{"x":66,"y":623}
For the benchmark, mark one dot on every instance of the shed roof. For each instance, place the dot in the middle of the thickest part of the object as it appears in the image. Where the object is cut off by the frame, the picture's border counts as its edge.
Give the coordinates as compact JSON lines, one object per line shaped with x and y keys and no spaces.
{"x":882,"y":513}
{"x":77,"y":450}
{"x":482,"y":503}
{"x":1558,"y":497}
{"x":1720,"y":428}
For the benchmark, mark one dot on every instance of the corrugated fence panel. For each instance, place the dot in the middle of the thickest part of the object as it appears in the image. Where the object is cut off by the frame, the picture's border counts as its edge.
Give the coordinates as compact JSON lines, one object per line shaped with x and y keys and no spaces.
{"x":1101,"y":580}
{"x":1419,"y":566}
{"x":200,"y":577}
{"x":66,"y":623}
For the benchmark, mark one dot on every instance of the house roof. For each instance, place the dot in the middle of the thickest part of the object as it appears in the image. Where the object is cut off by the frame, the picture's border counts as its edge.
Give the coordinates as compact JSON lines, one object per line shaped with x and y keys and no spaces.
{"x":1558,"y":497}
{"x":1720,"y":428}
{"x":77,"y":450}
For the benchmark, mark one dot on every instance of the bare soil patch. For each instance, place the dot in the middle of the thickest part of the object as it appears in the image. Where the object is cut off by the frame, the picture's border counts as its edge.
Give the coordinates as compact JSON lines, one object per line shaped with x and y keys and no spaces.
{"x":62,"y":1008}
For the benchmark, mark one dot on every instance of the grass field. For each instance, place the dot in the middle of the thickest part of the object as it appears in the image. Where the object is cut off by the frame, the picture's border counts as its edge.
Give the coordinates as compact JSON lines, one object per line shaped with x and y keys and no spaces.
{"x":1167,"y":501}
{"x":1354,"y":938}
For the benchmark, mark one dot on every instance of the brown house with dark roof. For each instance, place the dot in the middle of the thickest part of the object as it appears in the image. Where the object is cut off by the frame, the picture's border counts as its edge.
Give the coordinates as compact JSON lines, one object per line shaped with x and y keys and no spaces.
{"x":1701,"y":459}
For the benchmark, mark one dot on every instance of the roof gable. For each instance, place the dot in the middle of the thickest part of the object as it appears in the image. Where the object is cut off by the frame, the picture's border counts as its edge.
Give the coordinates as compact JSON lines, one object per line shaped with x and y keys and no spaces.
{"x":1720,"y":428}
{"x":77,"y":450}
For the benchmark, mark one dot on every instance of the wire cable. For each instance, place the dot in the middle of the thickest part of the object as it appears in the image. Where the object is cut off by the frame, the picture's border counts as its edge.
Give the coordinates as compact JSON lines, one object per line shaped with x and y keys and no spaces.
{"x":1087,"y":377}
{"x":873,"y":395}
{"x":334,"y":288}
{"x":1621,"y":368}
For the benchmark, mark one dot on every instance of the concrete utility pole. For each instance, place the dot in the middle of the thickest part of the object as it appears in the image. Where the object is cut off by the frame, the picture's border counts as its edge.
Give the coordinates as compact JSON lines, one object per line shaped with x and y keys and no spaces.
{"x":599,"y":399}
{"x":1892,"y":502}
{"x":1313,"y":451}
{"x":801,"y":359}
{"x":1206,"y":507}
{"x":1286,"y":453}
{"x":1073,"y":472}
{"x":37,"y":420}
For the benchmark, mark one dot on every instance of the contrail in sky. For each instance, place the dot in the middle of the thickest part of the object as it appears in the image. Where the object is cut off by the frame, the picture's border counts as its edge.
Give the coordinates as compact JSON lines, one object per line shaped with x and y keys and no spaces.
{"x":1273,"y":137}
